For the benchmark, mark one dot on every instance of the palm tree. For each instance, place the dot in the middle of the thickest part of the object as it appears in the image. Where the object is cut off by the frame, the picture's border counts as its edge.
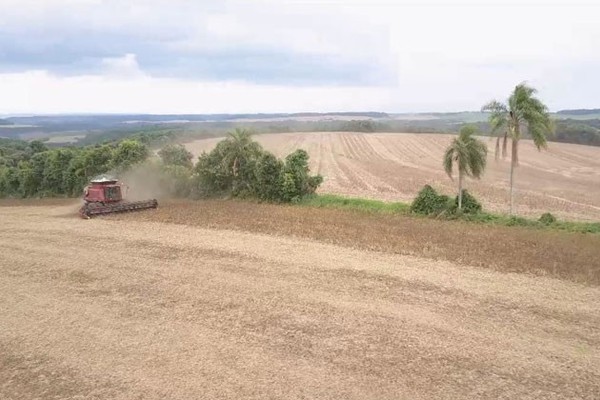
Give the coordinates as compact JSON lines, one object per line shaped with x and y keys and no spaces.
{"x":242,"y":146}
{"x":469,"y":154}
{"x":523,"y":113}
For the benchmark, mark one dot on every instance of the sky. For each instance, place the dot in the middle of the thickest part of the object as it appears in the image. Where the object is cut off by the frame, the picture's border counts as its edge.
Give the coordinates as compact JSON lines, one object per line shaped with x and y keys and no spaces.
{"x":182,"y":56}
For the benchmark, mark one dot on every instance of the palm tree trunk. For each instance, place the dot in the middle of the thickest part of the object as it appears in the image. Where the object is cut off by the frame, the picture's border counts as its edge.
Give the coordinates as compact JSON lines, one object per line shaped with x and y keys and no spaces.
{"x":460,"y":191}
{"x":235,"y":166}
{"x":514,"y":160}
{"x":512,"y":194}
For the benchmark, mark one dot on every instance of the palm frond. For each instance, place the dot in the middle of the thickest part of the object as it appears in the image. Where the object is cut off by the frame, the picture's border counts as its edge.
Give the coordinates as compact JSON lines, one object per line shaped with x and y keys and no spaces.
{"x":462,"y":156}
{"x":477,"y":158}
{"x":449,"y":161}
{"x":467,"y":152}
{"x":467,"y":131}
{"x":533,"y":114}
{"x":537,"y":133}
{"x":498,"y":115}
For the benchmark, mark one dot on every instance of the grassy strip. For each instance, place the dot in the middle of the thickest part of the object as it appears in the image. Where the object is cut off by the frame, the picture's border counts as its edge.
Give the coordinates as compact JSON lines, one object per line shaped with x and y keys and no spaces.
{"x":505,"y":220}
{"x":377,"y":206}
{"x":353,"y":203}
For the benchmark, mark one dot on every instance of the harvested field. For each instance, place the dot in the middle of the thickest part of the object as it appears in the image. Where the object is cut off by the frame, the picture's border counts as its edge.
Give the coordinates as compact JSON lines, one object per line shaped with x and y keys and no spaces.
{"x":564,"y":180}
{"x":133,"y":306}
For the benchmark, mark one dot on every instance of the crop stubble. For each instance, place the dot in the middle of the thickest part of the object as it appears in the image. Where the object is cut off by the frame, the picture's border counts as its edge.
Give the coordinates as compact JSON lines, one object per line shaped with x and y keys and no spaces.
{"x":135,"y":307}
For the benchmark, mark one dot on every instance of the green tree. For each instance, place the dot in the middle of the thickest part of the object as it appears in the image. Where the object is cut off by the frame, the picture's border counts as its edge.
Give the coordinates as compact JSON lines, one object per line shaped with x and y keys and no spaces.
{"x":57,"y":164}
{"x":35,"y":178}
{"x":241,"y":149}
{"x":178,"y":180}
{"x":297,"y":181}
{"x":468,"y":154}
{"x":74,"y":176}
{"x":240,"y":167}
{"x":97,"y":160}
{"x":37,"y":147}
{"x":230,"y":166}
{"x":176,"y":154}
{"x":29,"y":184}
{"x":268,"y":177}
{"x":5,"y":177}
{"x":129,"y":152}
{"x":523,"y":113}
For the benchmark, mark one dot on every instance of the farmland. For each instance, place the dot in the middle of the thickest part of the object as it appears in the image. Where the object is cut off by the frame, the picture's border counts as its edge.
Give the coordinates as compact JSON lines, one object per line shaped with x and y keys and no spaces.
{"x":564,"y":180}
{"x":233,"y":299}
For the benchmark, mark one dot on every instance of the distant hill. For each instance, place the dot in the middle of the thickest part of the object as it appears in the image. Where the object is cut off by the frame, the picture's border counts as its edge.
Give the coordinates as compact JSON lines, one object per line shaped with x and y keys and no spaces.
{"x":580,"y":111}
{"x":573,"y":126}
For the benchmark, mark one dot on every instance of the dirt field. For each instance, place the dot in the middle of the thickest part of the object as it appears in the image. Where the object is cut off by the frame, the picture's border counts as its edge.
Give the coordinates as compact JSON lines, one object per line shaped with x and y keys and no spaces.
{"x":133,"y":307}
{"x":564,"y":180}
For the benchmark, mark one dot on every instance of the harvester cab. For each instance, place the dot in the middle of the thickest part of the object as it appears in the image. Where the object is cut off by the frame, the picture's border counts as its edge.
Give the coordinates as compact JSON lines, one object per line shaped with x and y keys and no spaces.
{"x":103,"y":191}
{"x":105,"y":196}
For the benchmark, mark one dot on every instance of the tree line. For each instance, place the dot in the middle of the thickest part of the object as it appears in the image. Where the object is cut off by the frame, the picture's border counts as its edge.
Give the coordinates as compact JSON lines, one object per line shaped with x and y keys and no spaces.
{"x":32,"y":169}
{"x":237,"y":167}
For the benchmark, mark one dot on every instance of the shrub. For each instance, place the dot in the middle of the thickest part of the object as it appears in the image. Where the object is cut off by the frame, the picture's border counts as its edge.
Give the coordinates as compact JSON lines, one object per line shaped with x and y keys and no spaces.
{"x":289,"y":191}
{"x":179,"y":180}
{"x":429,"y":202}
{"x":176,"y":154}
{"x":547,"y":219}
{"x":513,"y":220}
{"x":296,"y":180}
{"x":268,"y":177}
{"x":470,"y":205}
{"x":239,"y":167}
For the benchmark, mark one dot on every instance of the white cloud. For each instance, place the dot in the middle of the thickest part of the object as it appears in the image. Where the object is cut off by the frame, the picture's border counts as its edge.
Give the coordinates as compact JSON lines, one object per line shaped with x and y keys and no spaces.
{"x":122,"y":67}
{"x":44,"y":92}
{"x":446,"y":55}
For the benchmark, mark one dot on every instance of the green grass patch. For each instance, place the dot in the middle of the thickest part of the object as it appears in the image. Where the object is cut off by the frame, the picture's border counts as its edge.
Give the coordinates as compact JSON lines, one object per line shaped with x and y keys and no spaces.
{"x":505,"y":220}
{"x":353,"y":203}
{"x":377,"y":206}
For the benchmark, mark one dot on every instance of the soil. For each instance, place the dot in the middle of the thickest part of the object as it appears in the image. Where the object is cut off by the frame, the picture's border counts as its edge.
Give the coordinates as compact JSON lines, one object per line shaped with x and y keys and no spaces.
{"x":133,"y":307}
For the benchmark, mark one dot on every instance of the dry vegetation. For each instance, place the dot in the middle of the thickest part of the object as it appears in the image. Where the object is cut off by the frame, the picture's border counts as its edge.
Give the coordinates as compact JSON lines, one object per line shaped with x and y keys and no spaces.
{"x":564,"y":180}
{"x":510,"y":249}
{"x":133,"y":306}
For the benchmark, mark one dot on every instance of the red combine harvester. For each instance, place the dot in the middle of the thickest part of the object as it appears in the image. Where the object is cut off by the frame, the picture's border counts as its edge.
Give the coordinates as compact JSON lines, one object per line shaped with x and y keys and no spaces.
{"x":104,"y":196}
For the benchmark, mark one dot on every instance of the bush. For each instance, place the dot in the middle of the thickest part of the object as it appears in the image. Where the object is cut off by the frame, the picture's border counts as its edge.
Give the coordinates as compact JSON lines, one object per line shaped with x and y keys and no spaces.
{"x":176,"y":155}
{"x":268,"y":177}
{"x":470,"y":205}
{"x":240,"y":167}
{"x":514,"y":220}
{"x":429,"y":202}
{"x":179,"y":180}
{"x":547,"y":219}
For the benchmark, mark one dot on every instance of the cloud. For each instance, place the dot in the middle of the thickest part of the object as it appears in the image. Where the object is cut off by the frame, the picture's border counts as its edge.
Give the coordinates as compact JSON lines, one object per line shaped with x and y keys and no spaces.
{"x":225,"y":40}
{"x":389,"y":55}
{"x":40,"y":90}
{"x":122,"y":67}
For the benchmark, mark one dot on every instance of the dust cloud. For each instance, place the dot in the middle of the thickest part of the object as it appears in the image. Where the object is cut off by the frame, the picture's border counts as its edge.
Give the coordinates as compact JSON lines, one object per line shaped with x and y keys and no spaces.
{"x":144,"y":181}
